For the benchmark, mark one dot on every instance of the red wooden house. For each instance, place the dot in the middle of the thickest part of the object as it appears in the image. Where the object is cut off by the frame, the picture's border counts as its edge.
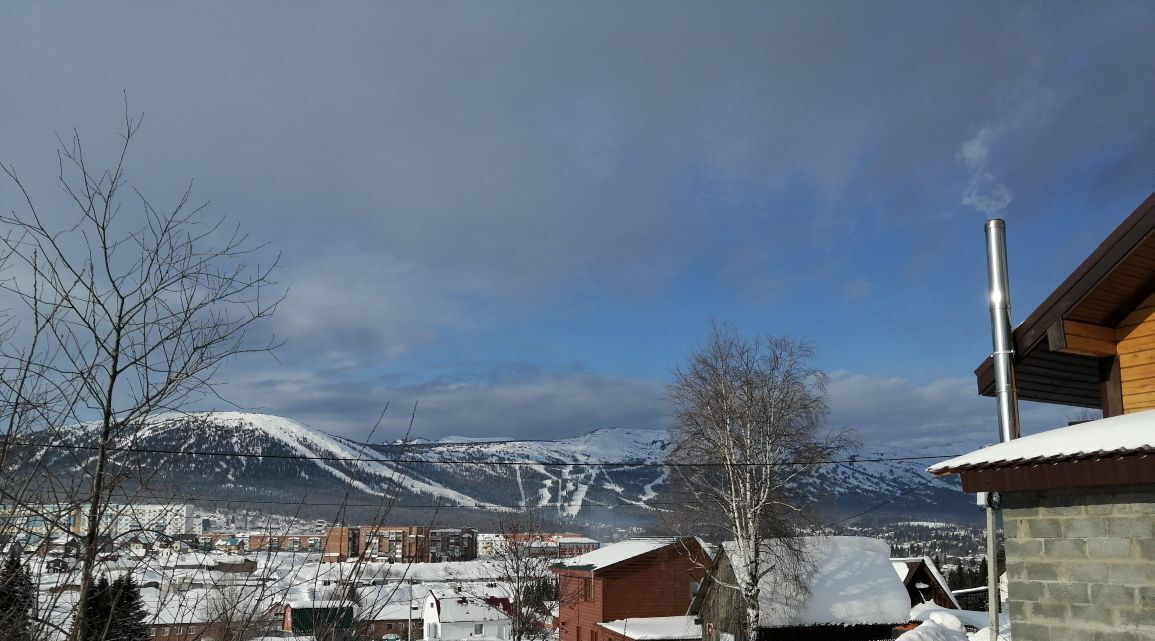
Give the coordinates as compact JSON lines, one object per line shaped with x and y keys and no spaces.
{"x":650,"y":577}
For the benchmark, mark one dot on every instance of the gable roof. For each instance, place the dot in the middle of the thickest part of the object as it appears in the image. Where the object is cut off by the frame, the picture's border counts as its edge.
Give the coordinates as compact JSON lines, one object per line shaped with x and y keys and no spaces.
{"x":1102,"y":290}
{"x":852,"y":583}
{"x":905,"y":569}
{"x":455,"y":606}
{"x":616,"y":553}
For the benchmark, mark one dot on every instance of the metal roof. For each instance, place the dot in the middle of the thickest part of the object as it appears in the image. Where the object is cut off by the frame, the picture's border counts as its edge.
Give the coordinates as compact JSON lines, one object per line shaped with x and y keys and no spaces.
{"x":1124,"y":435}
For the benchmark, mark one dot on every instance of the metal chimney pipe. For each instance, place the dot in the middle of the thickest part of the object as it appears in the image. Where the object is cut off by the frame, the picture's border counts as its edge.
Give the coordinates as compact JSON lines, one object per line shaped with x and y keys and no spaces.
{"x":999,"y":287}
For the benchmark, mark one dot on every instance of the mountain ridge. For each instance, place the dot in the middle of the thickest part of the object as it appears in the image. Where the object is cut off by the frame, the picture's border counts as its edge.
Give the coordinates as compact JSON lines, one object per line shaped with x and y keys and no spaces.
{"x":608,"y":475}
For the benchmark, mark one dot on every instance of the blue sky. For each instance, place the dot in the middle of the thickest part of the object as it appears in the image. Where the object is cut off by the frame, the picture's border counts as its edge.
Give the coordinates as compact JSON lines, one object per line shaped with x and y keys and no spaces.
{"x":523,"y":216}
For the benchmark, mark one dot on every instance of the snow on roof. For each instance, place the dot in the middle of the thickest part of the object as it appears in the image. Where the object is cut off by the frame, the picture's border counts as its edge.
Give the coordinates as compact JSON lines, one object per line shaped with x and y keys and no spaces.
{"x":574,"y":539}
{"x":902,"y":569}
{"x":1125,"y":434}
{"x":655,"y":628}
{"x":456,"y":607}
{"x":852,"y":582}
{"x":615,"y":553}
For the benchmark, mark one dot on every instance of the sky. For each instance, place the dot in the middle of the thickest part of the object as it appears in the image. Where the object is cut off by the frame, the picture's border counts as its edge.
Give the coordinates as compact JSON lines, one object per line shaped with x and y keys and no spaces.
{"x":523,"y":217}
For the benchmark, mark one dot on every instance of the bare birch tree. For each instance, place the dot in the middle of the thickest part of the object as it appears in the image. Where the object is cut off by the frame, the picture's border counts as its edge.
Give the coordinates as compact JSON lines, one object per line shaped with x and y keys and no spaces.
{"x":747,"y":420}
{"x":131,"y":315}
{"x":522,"y":563}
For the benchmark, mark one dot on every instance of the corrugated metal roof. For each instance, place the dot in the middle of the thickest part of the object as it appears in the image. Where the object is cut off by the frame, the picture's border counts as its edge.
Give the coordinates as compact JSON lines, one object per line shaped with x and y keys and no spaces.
{"x":615,"y":553}
{"x":1116,"y":436}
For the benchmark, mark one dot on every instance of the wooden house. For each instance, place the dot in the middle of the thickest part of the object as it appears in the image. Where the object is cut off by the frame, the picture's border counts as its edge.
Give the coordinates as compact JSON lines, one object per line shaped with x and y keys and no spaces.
{"x":850,"y":592}
{"x":647,"y":577}
{"x":924,"y":583}
{"x":1079,"y":501}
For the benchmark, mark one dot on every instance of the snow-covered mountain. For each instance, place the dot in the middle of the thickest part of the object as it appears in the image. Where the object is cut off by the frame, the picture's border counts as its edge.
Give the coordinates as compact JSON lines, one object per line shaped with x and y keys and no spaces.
{"x":605,"y":476}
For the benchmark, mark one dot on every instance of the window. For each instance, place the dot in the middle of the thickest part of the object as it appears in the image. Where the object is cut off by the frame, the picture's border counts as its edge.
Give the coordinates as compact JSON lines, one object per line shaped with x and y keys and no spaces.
{"x":478,"y":628}
{"x":587,"y":591}
{"x":579,"y":633}
{"x":164,"y":632}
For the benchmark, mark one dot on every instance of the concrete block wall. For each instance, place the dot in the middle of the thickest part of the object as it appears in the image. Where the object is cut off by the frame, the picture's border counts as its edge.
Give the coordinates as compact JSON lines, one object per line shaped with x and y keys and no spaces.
{"x":1081,"y":563}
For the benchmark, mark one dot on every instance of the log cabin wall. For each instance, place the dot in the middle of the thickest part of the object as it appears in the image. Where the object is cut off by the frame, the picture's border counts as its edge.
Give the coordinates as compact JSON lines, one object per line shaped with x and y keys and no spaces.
{"x":1135,"y":345}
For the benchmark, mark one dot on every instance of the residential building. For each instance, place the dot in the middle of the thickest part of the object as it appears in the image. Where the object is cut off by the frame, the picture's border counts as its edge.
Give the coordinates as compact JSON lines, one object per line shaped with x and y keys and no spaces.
{"x":394,"y":544}
{"x":461,"y":614}
{"x":452,"y":544}
{"x":646,"y":577}
{"x":265,"y":542}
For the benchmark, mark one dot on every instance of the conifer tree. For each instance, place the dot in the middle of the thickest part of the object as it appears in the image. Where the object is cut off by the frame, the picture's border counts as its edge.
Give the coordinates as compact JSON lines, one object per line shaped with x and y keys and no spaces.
{"x":97,"y":611}
{"x":128,"y":612}
{"x":17,"y":599}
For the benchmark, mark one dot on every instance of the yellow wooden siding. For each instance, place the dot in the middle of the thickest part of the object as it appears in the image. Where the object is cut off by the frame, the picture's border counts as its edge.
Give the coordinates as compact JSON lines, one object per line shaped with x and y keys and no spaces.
{"x":1135,"y":338}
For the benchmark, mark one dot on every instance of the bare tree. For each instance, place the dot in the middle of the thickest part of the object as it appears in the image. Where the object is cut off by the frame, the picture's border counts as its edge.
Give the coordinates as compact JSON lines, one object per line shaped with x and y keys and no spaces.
{"x":131,"y":315}
{"x":747,"y":420}
{"x":522,"y":562}
{"x":237,"y":613}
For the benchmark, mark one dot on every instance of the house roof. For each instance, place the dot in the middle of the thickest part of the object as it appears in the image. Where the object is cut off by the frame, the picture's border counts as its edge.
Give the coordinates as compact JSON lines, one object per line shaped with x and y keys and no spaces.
{"x":1101,"y":291}
{"x":458,"y":607}
{"x":1109,"y":437}
{"x":655,"y":628}
{"x":852,"y":582}
{"x":904,"y":567}
{"x":603,"y":558}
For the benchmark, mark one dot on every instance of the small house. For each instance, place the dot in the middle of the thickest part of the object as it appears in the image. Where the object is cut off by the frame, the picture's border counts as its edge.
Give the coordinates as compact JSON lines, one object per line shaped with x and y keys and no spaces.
{"x":924,"y":583}
{"x":850,"y":592}
{"x":644,"y":577}
{"x":457,"y":614}
{"x":390,"y":612}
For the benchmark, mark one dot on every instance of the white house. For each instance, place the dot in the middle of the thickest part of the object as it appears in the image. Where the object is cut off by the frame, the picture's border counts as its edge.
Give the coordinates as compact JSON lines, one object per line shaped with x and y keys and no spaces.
{"x":467,"y":614}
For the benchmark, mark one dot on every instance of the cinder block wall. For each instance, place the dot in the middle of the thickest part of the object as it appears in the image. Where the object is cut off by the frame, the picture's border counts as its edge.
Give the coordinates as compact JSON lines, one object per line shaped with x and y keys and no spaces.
{"x":1081,"y":563}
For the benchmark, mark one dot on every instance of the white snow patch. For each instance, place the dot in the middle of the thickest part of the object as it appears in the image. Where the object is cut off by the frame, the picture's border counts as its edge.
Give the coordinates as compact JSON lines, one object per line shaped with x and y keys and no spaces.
{"x":644,"y":628}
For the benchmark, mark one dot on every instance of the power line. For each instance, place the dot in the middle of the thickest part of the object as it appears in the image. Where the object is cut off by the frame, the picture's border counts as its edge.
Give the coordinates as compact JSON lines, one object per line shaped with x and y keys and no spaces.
{"x":418,"y":461}
{"x":892,"y":499}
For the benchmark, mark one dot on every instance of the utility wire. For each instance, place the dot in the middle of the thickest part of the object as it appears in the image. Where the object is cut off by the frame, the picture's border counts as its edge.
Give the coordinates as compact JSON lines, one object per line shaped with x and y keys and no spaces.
{"x":415,"y":461}
{"x":476,"y":505}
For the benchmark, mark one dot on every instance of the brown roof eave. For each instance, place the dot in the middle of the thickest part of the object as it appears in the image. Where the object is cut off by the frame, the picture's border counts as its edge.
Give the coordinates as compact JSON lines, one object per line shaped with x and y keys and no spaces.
{"x":1130,"y":469}
{"x":1106,"y":257}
